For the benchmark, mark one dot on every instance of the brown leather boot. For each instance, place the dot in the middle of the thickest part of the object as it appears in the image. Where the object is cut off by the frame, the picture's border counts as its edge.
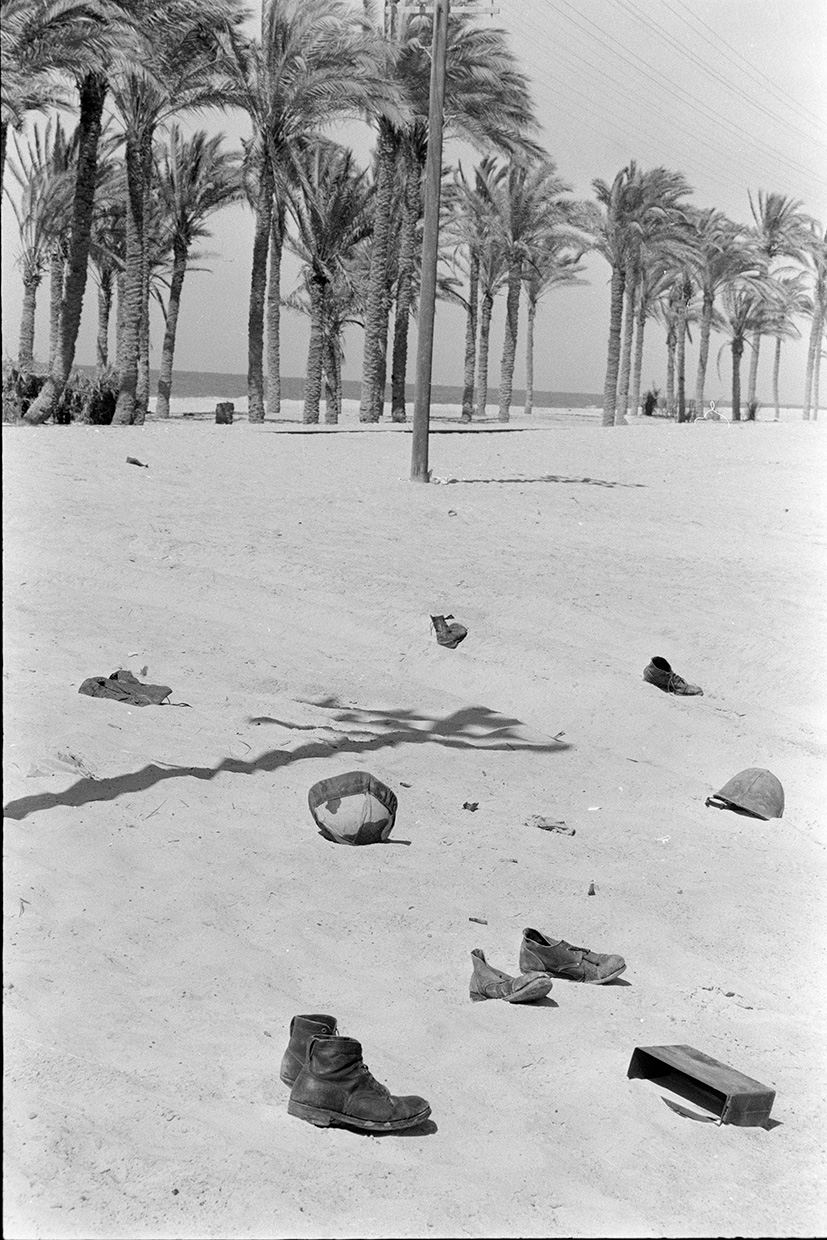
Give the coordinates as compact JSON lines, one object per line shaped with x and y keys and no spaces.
{"x":449,"y":635}
{"x":302,"y":1029}
{"x":335,"y":1087}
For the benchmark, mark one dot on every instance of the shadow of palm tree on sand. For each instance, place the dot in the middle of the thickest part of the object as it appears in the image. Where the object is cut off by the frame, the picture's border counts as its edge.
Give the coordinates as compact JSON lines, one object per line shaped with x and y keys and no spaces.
{"x":368,"y":730}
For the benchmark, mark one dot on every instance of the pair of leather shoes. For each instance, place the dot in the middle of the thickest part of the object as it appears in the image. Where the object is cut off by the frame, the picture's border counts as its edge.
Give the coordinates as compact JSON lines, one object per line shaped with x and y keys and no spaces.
{"x":541,"y":960}
{"x":331,"y":1084}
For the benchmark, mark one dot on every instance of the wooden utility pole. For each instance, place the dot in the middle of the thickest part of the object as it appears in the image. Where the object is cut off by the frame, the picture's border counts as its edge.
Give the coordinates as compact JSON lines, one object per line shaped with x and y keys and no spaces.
{"x":430,"y":247}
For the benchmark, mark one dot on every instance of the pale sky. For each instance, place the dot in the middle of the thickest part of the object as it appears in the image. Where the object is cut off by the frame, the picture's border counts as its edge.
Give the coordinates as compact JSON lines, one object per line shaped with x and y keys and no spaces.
{"x":733,"y":93}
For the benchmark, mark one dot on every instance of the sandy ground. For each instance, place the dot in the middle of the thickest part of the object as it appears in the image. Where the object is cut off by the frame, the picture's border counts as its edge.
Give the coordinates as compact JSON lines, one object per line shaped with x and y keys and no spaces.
{"x":170,"y":906}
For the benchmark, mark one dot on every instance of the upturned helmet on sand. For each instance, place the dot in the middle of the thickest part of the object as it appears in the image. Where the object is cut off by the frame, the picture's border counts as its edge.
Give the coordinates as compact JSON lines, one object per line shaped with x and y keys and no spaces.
{"x":753,"y":791}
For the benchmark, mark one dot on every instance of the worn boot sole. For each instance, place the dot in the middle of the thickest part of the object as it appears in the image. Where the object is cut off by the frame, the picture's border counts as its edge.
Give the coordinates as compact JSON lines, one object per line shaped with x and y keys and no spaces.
{"x":532,"y":990}
{"x":601,"y":981}
{"x":323,"y":1118}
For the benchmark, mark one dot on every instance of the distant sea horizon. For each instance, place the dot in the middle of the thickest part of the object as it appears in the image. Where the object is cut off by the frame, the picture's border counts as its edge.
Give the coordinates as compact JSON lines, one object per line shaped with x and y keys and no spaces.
{"x":194,"y":384}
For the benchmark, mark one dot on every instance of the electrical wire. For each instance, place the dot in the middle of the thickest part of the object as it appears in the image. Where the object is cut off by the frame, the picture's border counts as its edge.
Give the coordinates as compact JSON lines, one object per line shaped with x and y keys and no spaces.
{"x":694,"y":106}
{"x":722,"y":173}
{"x":630,"y":7}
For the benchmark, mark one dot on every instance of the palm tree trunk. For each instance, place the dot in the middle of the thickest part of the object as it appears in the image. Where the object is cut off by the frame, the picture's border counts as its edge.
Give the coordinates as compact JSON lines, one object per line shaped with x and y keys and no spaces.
{"x":622,"y":403}
{"x":404,"y":286}
{"x":482,"y":360}
{"x":274,"y":311}
{"x":258,"y":291}
{"x":680,"y":357}
{"x":471,"y":317}
{"x":120,"y":282}
{"x":512,"y":323}
{"x":315,"y":352}
{"x":104,"y":315}
{"x":133,"y":285}
{"x":776,"y":367}
{"x":637,"y":367}
{"x":57,"y":273}
{"x":813,"y":348}
{"x":671,"y":341}
{"x":142,"y":386}
{"x":373,"y":362}
{"x":703,"y":350}
{"x":4,"y":128}
{"x":531,"y":317}
{"x":737,"y":353}
{"x":179,"y":269}
{"x":752,"y":382}
{"x":382,"y":368}
{"x":613,"y":353}
{"x":25,"y":350}
{"x":332,"y":377}
{"x":816,"y":376}
{"x":92,"y":95}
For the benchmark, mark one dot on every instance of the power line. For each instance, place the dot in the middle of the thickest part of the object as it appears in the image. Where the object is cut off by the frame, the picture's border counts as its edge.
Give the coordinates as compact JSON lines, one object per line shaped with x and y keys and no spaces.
{"x":630,"y":7}
{"x":549,"y":81}
{"x":703,"y":111}
{"x":655,"y":136}
{"x":780,"y":94}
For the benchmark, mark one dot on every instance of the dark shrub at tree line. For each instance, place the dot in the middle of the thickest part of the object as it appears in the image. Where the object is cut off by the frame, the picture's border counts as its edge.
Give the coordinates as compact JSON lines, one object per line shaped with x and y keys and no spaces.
{"x":84,"y":400}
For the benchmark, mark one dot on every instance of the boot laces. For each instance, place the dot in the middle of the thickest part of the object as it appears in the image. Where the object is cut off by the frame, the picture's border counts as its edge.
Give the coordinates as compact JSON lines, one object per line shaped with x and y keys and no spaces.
{"x":371,"y":1081}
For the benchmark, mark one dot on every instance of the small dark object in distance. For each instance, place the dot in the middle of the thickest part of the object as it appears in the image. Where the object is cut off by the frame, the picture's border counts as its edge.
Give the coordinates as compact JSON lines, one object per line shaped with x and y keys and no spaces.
{"x":479,"y":920}
{"x":224,"y":411}
{"x":472,"y":805}
{"x":133,"y":460}
{"x":591,"y":890}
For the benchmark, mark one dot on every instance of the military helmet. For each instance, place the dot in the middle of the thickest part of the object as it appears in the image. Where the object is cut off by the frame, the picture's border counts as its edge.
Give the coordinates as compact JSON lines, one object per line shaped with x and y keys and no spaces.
{"x":753,"y":791}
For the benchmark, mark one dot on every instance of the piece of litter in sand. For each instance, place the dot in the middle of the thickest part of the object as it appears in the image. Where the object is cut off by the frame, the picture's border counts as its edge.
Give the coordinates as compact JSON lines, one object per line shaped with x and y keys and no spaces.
{"x":549,"y":824}
{"x":472,"y":805}
{"x":663,"y":839}
{"x":402,"y":784}
{"x":479,"y":920}
{"x":594,"y":807}
{"x":133,"y":460}
{"x":592,"y":889}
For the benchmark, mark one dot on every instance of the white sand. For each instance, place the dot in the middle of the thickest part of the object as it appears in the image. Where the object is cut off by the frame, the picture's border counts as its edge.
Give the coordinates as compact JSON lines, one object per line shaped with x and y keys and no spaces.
{"x":170,"y":905}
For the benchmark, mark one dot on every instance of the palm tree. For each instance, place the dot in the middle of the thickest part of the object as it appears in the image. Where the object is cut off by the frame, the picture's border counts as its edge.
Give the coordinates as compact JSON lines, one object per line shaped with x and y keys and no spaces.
{"x":41,"y":170}
{"x":195,"y":178}
{"x":107,"y":252}
{"x":315,"y":60}
{"x":656,"y":279}
{"x":87,"y":40}
{"x":487,"y":103}
{"x":643,"y":215}
{"x":38,"y":39}
{"x":816,"y":260}
{"x":176,"y":73}
{"x":551,"y":264}
{"x":331,"y":210}
{"x":532,"y":208}
{"x":723,"y":252}
{"x":747,"y":304}
{"x":780,"y":232}
{"x":792,"y":301}
{"x":638,"y":208}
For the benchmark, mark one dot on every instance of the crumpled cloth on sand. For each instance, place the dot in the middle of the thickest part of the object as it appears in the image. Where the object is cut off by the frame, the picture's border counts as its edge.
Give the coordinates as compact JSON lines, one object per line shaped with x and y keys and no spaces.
{"x":124,"y":687}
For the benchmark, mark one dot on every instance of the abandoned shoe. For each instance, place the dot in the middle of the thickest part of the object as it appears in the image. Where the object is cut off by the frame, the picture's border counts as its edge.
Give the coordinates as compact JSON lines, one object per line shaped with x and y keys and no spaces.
{"x":335,"y":1087}
{"x":449,"y":635}
{"x":659,"y":673}
{"x":490,"y":983}
{"x":302,"y":1029}
{"x":577,"y":964}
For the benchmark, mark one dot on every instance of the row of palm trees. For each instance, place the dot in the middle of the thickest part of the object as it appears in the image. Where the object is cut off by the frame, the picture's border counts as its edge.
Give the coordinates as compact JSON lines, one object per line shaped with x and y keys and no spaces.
{"x":683,"y":265}
{"x":129,"y":197}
